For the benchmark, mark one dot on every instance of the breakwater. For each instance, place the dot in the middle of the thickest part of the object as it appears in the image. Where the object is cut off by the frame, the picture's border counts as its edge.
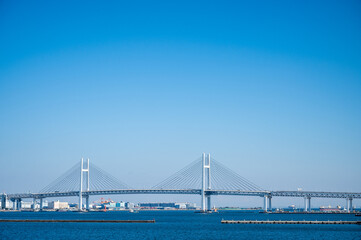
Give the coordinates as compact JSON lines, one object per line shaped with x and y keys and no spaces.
{"x":287,"y":222}
{"x":76,"y":221}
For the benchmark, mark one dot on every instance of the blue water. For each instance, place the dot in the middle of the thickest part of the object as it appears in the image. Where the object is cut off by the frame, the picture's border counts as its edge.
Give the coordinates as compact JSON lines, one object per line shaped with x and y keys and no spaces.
{"x":175,"y":225}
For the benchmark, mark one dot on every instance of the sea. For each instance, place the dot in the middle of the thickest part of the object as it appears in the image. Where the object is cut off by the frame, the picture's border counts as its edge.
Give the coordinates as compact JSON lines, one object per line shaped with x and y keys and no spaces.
{"x":185,"y":225}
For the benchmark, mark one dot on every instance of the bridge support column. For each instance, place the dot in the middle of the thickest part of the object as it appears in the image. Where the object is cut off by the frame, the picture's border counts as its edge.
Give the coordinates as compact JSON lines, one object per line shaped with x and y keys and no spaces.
{"x":206,"y":182}
{"x":41,"y":204}
{"x":270,"y":203}
{"x":203,"y":202}
{"x":82,"y":171}
{"x":14,"y":203}
{"x":80,"y":207}
{"x":349,"y":204}
{"x":18,"y":204}
{"x":265,"y":203}
{"x":203,"y":197}
{"x":87,"y":202}
{"x":209,"y":206}
{"x":34,"y":204}
{"x":307,"y":204}
{"x":3,"y":201}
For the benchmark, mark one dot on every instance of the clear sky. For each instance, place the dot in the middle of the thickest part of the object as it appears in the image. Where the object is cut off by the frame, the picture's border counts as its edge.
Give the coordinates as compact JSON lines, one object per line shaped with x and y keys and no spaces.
{"x":271,"y":89}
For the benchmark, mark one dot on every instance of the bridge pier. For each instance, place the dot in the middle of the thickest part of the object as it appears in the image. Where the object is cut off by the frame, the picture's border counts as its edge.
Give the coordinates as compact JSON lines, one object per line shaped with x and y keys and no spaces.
{"x":349,"y":204}
{"x":17,"y":204}
{"x":307,"y":204}
{"x":265,"y":203}
{"x":87,"y":202}
{"x":3,"y":201}
{"x":41,"y":204}
{"x":80,"y":206}
{"x":34,"y":204}
{"x":209,"y":206}
{"x":203,"y":202}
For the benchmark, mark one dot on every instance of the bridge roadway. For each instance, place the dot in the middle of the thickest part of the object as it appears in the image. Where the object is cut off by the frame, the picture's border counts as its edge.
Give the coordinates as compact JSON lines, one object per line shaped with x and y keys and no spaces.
{"x":303,"y":194}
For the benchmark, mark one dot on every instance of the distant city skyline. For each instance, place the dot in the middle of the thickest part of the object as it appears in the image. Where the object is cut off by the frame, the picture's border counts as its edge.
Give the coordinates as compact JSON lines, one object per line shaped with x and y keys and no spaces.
{"x":271,"y":90}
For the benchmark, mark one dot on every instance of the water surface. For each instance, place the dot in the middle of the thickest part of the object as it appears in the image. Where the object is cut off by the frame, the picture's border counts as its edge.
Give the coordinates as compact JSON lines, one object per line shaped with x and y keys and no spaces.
{"x":175,"y":225}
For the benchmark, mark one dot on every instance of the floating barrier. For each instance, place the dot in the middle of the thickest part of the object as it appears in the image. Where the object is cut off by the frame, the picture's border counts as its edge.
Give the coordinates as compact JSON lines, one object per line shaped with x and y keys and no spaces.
{"x":287,"y":222}
{"x":77,"y":221}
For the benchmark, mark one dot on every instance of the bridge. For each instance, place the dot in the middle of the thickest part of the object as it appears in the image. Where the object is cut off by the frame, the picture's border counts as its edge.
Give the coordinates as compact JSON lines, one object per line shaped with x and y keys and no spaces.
{"x":205,"y":177}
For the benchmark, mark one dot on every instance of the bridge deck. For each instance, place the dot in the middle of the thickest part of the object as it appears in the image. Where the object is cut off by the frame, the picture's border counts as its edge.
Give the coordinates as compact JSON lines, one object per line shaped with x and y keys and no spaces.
{"x":191,"y":191}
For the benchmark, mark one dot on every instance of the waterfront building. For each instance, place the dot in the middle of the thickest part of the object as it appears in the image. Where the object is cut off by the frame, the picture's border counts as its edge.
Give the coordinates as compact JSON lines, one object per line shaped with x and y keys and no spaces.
{"x":168,"y":205}
{"x":129,"y":205}
{"x":157,"y":205}
{"x":120,"y":204}
{"x":8,"y":204}
{"x":26,"y":205}
{"x":180,"y":205}
{"x":58,"y":205}
{"x":111,"y":205}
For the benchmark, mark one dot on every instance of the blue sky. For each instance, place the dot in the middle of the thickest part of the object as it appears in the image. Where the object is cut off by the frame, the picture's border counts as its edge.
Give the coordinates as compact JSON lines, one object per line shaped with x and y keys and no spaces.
{"x":271,"y":89}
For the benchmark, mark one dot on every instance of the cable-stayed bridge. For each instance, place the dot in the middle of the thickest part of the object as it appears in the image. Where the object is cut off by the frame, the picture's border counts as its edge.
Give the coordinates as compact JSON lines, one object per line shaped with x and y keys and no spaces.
{"x":204,"y":176}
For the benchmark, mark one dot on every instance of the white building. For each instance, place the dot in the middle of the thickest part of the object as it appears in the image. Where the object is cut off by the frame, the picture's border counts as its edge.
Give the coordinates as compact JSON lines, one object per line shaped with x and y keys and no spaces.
{"x":8,"y":204}
{"x":26,"y":205}
{"x":129,"y":205}
{"x":58,"y":205}
{"x":181,"y":205}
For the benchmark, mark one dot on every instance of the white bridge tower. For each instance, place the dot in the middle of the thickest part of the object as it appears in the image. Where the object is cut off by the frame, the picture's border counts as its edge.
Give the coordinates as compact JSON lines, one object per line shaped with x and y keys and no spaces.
{"x":82,"y":178}
{"x":206,"y":181}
